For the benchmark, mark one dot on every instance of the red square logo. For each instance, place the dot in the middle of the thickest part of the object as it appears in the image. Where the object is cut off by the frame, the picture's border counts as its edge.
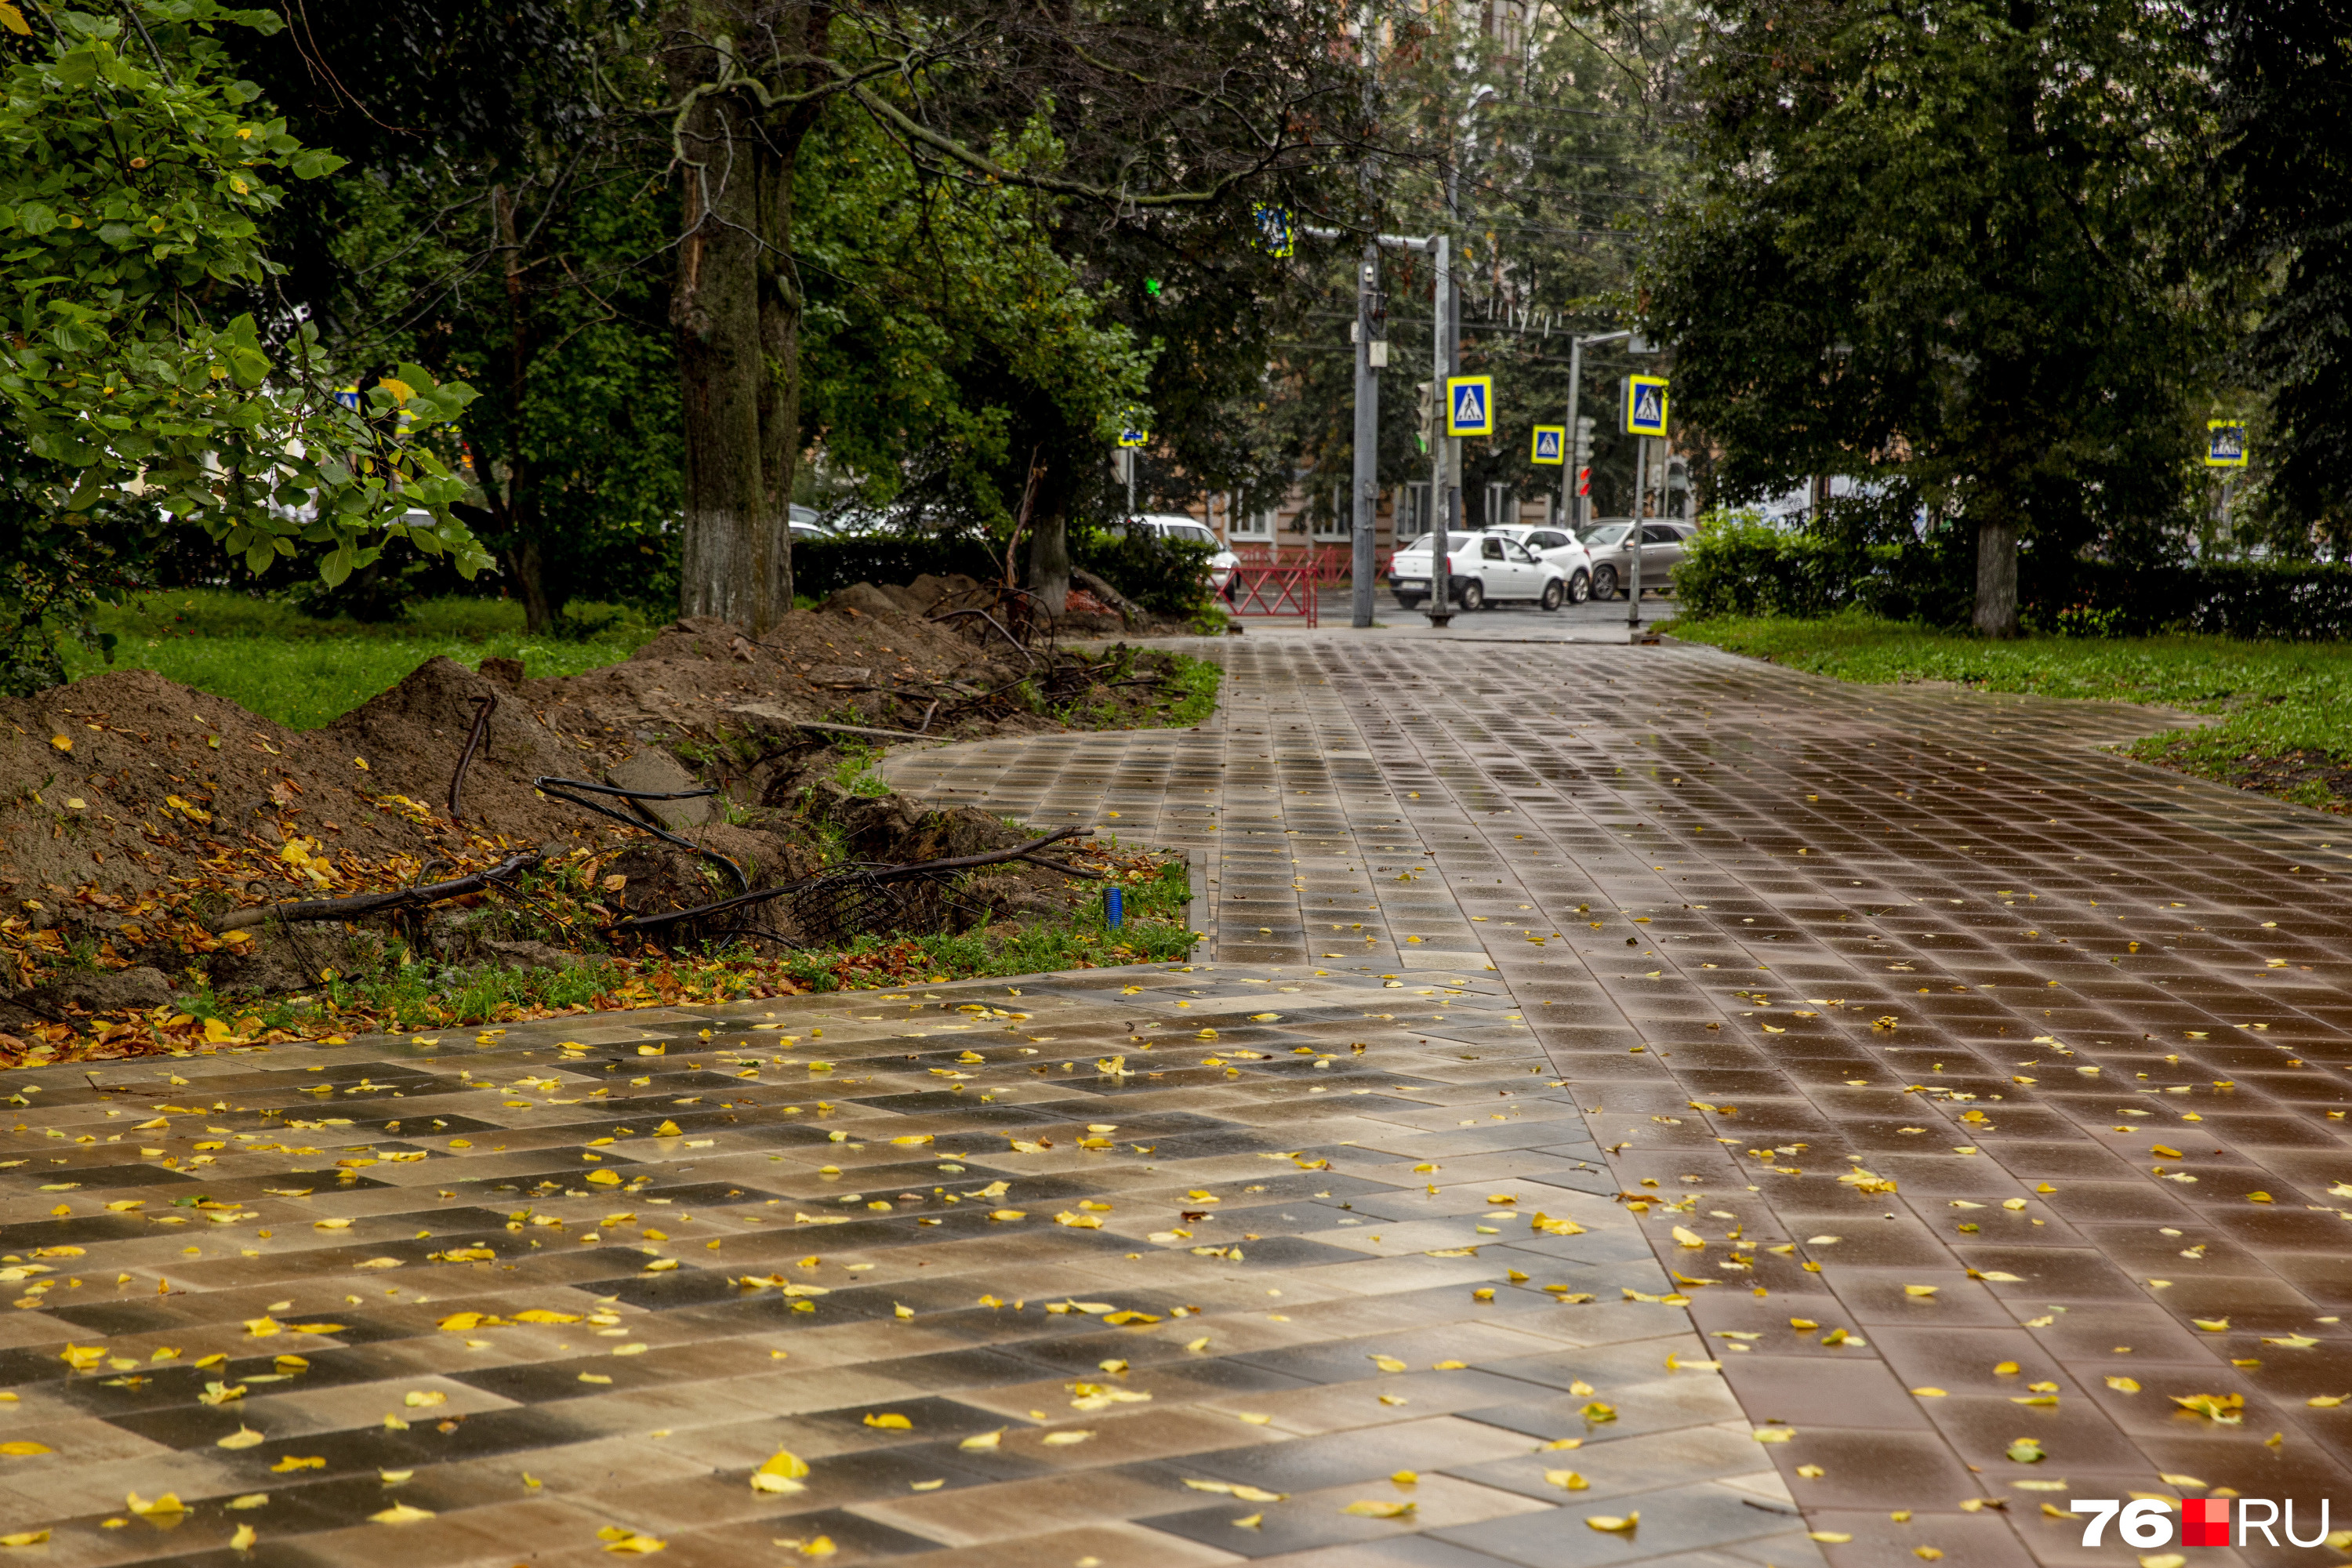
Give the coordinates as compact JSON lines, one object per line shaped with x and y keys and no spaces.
{"x":2205,"y":1522}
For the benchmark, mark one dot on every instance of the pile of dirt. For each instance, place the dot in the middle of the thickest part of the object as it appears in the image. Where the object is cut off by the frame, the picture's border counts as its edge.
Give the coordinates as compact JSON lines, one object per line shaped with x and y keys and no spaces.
{"x":139,"y":811}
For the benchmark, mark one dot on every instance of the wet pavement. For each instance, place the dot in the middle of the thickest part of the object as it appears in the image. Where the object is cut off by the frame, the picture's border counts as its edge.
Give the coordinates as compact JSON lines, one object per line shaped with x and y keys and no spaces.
{"x":1773,"y":1096}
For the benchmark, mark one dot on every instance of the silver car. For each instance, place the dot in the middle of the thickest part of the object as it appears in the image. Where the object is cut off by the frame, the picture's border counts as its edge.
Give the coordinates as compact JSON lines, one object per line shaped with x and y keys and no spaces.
{"x":1610,"y":541}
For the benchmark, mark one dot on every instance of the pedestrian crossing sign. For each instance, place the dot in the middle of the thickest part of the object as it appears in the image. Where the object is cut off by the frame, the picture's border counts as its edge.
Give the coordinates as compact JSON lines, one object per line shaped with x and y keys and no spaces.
{"x":1645,"y":405}
{"x":1469,"y":406}
{"x":1551,"y":444}
{"x":2225,"y":443}
{"x":1134,"y":428}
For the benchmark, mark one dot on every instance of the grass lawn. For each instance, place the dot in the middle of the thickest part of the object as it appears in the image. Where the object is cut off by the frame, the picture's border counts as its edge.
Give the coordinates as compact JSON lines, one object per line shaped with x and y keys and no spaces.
{"x":270,"y":659}
{"x":2285,"y":709}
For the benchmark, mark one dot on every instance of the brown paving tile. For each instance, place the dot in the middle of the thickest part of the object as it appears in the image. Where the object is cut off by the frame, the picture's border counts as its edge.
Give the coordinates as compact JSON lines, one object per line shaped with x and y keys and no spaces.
{"x":1913,"y":902}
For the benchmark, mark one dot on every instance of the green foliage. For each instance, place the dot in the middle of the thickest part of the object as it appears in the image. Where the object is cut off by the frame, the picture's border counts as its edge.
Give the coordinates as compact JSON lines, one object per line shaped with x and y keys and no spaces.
{"x":574,"y":443}
{"x":1739,"y":567}
{"x":1951,"y":243}
{"x":270,"y":659}
{"x":1554,"y":179}
{"x":125,"y":199}
{"x":944,"y":339}
{"x":1166,"y":576}
{"x":1195,"y":684}
{"x":132,"y":192}
{"x":2285,"y":71}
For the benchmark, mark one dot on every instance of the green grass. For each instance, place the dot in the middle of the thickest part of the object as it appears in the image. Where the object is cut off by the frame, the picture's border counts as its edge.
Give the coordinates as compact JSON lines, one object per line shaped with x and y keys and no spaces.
{"x":2284,"y":709}
{"x":270,"y":659}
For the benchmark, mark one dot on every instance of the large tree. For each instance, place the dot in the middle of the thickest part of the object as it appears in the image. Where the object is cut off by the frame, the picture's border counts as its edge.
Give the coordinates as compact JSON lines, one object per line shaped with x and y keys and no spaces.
{"x":503,"y":210}
{"x":1947,"y":245}
{"x":1124,"y":113}
{"x":2285,"y":190}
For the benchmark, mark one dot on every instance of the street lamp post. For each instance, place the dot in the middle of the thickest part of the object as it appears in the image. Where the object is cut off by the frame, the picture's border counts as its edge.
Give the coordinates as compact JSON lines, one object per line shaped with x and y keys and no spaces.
{"x":1576,"y":346}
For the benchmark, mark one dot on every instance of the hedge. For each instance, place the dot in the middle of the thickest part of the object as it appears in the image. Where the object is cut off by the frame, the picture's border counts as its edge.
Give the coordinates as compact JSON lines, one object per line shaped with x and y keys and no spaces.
{"x":1741,"y":569}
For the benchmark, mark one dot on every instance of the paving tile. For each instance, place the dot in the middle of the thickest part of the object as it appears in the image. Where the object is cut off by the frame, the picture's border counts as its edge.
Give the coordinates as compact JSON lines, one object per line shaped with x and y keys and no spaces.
{"x":1700,"y":962}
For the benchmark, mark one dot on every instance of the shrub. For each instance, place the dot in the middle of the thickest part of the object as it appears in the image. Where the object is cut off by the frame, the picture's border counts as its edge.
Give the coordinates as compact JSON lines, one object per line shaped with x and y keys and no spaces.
{"x":1739,"y":567}
{"x":1736,"y":565}
{"x":1166,"y":577}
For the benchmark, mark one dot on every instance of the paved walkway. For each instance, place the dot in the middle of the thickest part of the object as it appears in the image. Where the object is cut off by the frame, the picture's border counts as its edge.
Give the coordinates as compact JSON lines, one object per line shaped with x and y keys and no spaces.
{"x":1773,"y":1096}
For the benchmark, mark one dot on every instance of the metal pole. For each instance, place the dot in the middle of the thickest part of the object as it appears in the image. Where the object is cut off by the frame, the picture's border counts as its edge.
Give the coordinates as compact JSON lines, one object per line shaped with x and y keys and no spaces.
{"x":1128,"y":453}
{"x":1367,"y":381}
{"x":1368,"y":445}
{"x":1439,"y":507}
{"x":1567,"y":471}
{"x":1641,"y":499}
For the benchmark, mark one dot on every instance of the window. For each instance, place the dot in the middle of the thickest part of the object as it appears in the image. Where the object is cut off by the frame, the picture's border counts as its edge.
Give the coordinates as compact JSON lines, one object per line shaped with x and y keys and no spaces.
{"x":1501,"y":509}
{"x":1659,"y":534}
{"x":1547,"y":539}
{"x":1241,"y":525}
{"x":1412,"y":516}
{"x":1340,"y":524}
{"x":1491,"y":549}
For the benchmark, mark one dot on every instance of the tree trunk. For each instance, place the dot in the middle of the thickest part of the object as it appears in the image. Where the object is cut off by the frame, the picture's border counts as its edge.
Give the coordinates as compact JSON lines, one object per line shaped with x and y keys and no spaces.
{"x":1049,"y":561}
{"x":1996,"y":609}
{"x":737,"y":310}
{"x":523,"y":559}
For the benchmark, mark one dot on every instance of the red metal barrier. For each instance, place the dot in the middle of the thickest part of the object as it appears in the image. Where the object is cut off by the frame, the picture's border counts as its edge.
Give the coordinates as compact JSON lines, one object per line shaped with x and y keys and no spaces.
{"x":1330,"y":563}
{"x":1285,"y":593}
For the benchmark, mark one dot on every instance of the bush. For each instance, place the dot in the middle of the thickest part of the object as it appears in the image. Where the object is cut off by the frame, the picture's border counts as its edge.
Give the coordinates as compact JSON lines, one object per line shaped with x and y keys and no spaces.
{"x":1737,"y":567}
{"x":1168,"y":577}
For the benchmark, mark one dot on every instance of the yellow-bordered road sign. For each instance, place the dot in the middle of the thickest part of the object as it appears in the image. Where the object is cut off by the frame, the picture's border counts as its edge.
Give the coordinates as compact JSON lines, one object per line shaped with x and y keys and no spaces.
{"x":1469,"y":406}
{"x":2225,"y":443}
{"x":1645,"y":405}
{"x":1551,"y":445}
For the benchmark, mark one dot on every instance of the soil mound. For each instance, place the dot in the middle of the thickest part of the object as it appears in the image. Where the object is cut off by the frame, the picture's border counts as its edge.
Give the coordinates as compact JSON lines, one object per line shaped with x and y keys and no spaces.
{"x":136,"y":811}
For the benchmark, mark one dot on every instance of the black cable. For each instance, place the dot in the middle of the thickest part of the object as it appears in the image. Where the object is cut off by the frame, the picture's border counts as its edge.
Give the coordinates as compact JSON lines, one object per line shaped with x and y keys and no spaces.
{"x":554,"y":789}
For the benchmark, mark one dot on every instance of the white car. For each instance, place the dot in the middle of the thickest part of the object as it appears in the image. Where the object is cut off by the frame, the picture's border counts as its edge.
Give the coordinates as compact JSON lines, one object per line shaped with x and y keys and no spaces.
{"x":1563,"y":550}
{"x":1481,"y":568}
{"x":1176,"y":526}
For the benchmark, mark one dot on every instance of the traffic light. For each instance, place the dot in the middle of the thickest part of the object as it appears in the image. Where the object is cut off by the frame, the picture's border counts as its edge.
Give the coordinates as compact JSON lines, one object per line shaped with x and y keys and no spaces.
{"x":1425,"y":412}
{"x":1583,"y":455}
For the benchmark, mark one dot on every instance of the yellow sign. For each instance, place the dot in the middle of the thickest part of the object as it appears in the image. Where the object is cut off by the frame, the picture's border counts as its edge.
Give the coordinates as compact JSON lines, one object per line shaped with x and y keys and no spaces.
{"x":1469,"y":406}
{"x":1645,"y":405}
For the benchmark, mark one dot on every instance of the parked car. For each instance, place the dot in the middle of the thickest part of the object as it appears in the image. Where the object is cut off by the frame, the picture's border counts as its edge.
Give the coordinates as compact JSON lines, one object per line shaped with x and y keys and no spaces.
{"x":1563,"y":550}
{"x":807,"y":524}
{"x":1481,"y":569}
{"x":1174,"y":526}
{"x":1610,"y":543}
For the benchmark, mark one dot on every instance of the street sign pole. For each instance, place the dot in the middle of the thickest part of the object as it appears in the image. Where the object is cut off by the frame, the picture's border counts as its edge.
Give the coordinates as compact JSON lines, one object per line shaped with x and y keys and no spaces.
{"x":1641,"y":518}
{"x":1368,"y":445}
{"x":1441,"y":450}
{"x":1568,"y":467}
